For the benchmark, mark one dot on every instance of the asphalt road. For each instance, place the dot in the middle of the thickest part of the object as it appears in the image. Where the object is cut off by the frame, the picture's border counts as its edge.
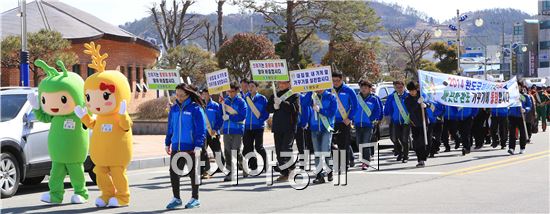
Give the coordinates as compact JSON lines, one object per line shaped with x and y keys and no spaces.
{"x":486,"y":180}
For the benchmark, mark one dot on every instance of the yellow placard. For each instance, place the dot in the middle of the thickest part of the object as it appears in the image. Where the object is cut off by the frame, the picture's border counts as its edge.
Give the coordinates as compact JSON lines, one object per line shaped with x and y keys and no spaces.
{"x":311,"y":79}
{"x":218,"y":81}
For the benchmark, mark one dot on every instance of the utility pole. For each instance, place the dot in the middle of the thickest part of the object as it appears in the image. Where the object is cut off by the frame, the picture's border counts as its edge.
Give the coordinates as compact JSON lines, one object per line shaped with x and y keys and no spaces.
{"x":24,"y":54}
{"x":458,"y":42}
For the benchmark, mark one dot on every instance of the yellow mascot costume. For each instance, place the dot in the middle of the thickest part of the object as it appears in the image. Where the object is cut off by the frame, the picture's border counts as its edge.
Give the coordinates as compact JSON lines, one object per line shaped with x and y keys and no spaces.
{"x":107,"y":95}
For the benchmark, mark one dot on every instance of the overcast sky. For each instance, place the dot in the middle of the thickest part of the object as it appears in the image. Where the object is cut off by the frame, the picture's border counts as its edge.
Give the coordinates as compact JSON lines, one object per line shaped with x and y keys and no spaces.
{"x":120,"y":11}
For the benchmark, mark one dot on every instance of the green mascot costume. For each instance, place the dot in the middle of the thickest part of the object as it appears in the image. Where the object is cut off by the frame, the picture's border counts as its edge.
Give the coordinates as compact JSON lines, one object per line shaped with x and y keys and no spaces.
{"x":58,"y":95}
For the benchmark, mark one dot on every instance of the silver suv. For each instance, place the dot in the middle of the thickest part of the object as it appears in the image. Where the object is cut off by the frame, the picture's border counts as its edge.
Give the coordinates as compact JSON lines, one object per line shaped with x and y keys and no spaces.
{"x":24,"y":143}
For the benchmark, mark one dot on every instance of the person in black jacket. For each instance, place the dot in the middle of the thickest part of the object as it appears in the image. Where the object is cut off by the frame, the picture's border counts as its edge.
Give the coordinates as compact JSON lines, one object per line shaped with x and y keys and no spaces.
{"x":415,"y":105}
{"x":285,"y":107}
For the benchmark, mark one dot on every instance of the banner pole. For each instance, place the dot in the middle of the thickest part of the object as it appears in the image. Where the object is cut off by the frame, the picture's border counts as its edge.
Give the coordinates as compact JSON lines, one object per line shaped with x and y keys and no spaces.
{"x":523,"y":116}
{"x":423,"y":112}
{"x":274,"y":89}
{"x":223,"y":104}
{"x":424,"y":124}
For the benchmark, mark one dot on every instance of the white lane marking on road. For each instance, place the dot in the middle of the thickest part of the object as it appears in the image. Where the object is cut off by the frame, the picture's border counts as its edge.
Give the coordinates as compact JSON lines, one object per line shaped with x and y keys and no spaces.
{"x":395,"y":173}
{"x":141,"y":172}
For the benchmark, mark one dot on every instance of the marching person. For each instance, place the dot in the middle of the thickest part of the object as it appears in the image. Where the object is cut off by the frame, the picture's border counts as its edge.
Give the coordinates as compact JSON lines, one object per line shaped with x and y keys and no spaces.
{"x":303,"y":132}
{"x":479,"y":130}
{"x":543,"y":99}
{"x":285,"y":107}
{"x":214,"y":122}
{"x":347,"y":104}
{"x":499,"y":126}
{"x":419,"y":122}
{"x":244,"y":87}
{"x":530,"y":116}
{"x":435,"y":116}
{"x":186,"y":134}
{"x":516,"y":116}
{"x":366,"y":117}
{"x":536,"y":102}
{"x":233,"y":125}
{"x":256,"y":116}
{"x":446,"y":122}
{"x":399,"y":120}
{"x":321,"y":121}
{"x":459,"y":122}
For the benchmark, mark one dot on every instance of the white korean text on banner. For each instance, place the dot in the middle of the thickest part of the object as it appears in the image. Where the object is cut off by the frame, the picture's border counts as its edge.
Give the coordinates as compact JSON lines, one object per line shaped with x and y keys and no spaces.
{"x":218,"y":81}
{"x":311,"y":79}
{"x":162,"y":79}
{"x":269,"y":70}
{"x":461,"y":91}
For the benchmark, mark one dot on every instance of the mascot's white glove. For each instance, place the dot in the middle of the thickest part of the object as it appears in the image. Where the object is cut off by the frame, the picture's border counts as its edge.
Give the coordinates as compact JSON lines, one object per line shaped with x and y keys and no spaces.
{"x":225,"y":117}
{"x":80,"y":111}
{"x":33,"y":100}
{"x":122,"y":109}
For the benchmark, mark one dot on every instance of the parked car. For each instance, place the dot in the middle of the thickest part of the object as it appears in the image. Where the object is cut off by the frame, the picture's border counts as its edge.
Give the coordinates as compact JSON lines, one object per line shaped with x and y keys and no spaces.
{"x":24,"y":143}
{"x":381,"y":90}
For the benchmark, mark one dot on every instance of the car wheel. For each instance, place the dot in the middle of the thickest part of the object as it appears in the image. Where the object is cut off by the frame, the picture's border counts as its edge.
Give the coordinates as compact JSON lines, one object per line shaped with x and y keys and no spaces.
{"x":33,"y":181}
{"x":9,"y":175}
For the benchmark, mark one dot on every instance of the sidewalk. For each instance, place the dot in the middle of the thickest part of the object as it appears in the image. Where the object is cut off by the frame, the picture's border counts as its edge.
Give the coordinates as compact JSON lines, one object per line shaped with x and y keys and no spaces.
{"x":149,"y":151}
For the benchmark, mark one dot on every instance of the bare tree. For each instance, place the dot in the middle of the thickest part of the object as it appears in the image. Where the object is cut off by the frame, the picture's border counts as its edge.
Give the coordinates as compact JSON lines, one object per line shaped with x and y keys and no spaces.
{"x":209,"y":37}
{"x":392,"y":58}
{"x":298,"y":20}
{"x":414,"y":44}
{"x":175,"y":24}
{"x":219,"y":27}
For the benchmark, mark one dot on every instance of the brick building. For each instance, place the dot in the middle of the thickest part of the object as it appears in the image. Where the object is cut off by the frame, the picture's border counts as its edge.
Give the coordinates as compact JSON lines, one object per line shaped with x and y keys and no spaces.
{"x":127,"y":52}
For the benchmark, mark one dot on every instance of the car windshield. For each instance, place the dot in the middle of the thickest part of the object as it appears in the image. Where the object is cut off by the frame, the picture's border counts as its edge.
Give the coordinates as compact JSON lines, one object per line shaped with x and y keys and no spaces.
{"x":11,"y":105}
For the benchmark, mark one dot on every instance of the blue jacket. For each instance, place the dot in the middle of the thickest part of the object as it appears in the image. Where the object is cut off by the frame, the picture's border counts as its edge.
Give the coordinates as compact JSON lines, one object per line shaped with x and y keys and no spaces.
{"x":349,"y":101}
{"x":214,"y":113}
{"x":525,"y":103}
{"x":186,"y":126}
{"x":459,"y":114}
{"x":360,"y":119}
{"x":437,"y":112}
{"x":303,"y":114}
{"x":252,"y":122}
{"x":499,"y":112}
{"x":328,"y":110}
{"x":391,"y":109}
{"x":235,"y":124}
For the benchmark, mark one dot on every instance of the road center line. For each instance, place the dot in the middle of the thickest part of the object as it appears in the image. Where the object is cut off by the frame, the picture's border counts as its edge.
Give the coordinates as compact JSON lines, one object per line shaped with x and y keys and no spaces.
{"x":505,"y":161}
{"x":505,"y":164}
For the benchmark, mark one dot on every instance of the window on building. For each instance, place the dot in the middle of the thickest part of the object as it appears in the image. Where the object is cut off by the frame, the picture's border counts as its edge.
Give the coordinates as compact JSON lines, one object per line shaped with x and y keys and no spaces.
{"x":129,"y":76}
{"x":544,"y":24}
{"x":90,"y":71}
{"x":544,"y":45}
{"x":144,"y":76}
{"x":545,"y":5}
{"x":517,"y":30}
{"x":544,"y":64}
{"x":76,"y":68}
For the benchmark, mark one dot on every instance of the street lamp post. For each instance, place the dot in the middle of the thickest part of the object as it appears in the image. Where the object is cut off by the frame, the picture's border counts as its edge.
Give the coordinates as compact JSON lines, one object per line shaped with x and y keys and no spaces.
{"x":24,"y":55}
